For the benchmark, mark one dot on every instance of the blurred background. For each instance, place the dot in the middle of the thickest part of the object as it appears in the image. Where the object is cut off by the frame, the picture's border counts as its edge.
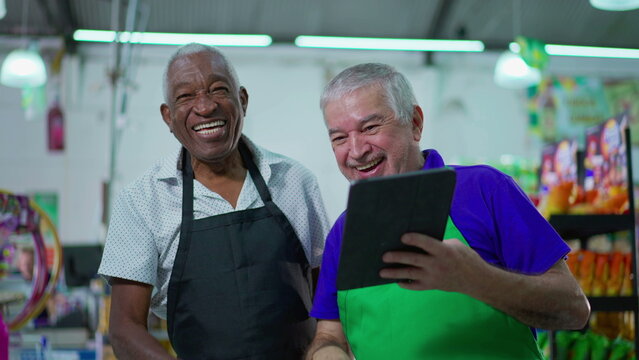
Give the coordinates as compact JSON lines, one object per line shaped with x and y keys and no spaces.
{"x":504,"y":83}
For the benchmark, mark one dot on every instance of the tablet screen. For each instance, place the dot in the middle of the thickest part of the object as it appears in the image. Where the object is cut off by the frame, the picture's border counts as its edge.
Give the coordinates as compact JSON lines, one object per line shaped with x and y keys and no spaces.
{"x":380,"y":210}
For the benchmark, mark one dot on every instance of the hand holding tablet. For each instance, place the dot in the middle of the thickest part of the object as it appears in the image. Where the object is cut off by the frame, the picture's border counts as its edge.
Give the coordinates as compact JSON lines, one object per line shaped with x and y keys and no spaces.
{"x":380,"y":211}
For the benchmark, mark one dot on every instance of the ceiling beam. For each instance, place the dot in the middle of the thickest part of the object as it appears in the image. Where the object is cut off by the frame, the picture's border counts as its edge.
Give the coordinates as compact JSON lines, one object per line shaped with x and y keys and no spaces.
{"x":46,"y":10}
{"x":439,"y":19}
{"x":64,"y":24}
{"x":68,"y":24}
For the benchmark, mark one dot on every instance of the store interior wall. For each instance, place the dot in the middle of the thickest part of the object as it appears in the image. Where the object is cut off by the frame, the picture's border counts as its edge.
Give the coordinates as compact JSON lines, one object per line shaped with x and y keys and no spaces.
{"x":467,"y":118}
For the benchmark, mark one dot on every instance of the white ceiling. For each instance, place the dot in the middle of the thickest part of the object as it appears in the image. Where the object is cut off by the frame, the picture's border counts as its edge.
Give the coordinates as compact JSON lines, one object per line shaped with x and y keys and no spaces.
{"x":492,"y":21}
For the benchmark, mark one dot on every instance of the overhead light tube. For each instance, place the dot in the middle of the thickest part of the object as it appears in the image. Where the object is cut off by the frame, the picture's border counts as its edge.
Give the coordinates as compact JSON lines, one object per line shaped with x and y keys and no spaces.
{"x":585,"y":51}
{"x":155,"y":38}
{"x":363,"y":43}
{"x":592,"y":51}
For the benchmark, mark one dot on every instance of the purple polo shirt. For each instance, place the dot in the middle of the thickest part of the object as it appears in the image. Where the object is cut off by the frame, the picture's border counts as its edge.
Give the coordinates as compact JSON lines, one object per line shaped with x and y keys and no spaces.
{"x":493,"y":214}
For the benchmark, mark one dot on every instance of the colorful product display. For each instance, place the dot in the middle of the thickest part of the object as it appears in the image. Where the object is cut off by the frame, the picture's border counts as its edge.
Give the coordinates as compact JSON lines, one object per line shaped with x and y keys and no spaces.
{"x":589,"y":345}
{"x":604,"y":188}
{"x":606,"y":172}
{"x":19,"y":215}
{"x":558,"y":177}
{"x":604,"y":270}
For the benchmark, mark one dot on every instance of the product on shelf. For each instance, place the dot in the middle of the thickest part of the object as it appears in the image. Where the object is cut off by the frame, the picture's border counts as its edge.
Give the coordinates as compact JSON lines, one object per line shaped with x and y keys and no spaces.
{"x":587,"y":271}
{"x":558,"y":178}
{"x":588,"y":345}
{"x":604,"y":189}
{"x":601,"y":275}
{"x":626,"y":285}
{"x":573,"y":262}
{"x":604,"y":268}
{"x":605,"y":166}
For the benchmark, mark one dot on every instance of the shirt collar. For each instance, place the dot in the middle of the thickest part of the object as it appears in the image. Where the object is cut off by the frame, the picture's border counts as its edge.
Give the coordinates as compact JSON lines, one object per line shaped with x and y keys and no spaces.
{"x":432,"y":159}
{"x":171,"y":167}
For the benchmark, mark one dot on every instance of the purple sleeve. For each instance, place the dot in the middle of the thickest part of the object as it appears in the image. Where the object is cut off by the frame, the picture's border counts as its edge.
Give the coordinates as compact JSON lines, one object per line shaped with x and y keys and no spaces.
{"x":325,"y":300}
{"x":528,"y":243}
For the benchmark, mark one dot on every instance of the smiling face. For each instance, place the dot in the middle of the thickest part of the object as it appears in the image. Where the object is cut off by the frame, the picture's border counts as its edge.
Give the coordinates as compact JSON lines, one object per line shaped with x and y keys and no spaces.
{"x":205,"y":109}
{"x":367,"y":138}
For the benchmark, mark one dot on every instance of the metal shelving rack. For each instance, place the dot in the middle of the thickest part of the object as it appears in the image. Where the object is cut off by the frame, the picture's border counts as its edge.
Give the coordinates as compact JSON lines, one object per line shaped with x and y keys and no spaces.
{"x":584,"y":226}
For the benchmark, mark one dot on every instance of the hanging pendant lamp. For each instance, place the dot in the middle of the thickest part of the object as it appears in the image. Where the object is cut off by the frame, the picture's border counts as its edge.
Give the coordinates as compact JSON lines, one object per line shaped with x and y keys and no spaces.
{"x":23,"y":68}
{"x":615,"y":5}
{"x":512,"y":72}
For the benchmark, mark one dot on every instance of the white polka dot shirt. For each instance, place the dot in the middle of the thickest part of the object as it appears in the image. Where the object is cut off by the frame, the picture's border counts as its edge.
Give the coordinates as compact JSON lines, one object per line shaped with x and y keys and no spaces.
{"x":144,"y":230}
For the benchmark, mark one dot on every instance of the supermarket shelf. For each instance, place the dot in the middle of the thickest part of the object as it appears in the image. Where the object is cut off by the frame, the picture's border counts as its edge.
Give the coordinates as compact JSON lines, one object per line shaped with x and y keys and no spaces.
{"x":614,"y":303}
{"x":583,"y":226}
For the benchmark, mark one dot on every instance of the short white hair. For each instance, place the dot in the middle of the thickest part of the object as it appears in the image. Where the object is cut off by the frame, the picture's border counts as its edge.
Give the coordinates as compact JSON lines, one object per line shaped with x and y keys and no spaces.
{"x":194,"y":48}
{"x":397,"y":90}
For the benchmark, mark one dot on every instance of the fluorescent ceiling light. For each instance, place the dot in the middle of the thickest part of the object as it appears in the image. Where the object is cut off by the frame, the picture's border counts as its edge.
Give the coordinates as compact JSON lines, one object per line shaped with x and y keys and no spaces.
{"x":587,"y":51}
{"x":23,"y":68}
{"x":592,"y":51}
{"x":337,"y":42}
{"x":512,"y":72}
{"x":154,"y":38}
{"x":615,"y":5}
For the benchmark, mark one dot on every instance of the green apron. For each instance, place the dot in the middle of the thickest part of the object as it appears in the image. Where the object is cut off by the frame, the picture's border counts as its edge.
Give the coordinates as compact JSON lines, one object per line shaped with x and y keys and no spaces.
{"x":388,"y":322}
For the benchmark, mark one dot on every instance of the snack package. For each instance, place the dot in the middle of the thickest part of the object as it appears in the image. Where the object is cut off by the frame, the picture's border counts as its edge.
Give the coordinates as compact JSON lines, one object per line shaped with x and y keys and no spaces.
{"x":601,"y":275}
{"x":617,"y":273}
{"x":587,"y":271}
{"x":573,"y":262}
{"x":563,"y":342}
{"x":607,"y":323}
{"x":599,"y":345}
{"x":581,"y":348}
{"x":628,"y":326}
{"x":626,"y":285}
{"x":620,"y":349}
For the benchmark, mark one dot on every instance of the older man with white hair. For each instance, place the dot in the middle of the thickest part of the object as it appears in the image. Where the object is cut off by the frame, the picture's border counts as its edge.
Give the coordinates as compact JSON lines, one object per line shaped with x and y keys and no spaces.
{"x":219,"y":238}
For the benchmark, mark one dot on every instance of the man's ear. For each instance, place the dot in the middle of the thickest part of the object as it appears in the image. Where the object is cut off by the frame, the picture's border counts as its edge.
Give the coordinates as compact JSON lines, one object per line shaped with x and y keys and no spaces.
{"x":166,"y":116}
{"x":417,"y":123}
{"x":244,"y":99}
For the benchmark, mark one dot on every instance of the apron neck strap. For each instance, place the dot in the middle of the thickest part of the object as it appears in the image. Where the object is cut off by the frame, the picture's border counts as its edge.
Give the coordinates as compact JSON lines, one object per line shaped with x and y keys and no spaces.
{"x":258,"y":180}
{"x":187,"y":186}
{"x":247,"y":159}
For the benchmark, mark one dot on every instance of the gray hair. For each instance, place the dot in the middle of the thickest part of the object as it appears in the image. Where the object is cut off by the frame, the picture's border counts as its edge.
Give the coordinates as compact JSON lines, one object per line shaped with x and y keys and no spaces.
{"x":194,"y":48}
{"x":397,"y":89}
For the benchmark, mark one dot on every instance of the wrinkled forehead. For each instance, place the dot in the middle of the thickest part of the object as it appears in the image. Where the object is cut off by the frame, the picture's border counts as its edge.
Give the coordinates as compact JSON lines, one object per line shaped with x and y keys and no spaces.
{"x":367,"y":95}
{"x":198,"y":65}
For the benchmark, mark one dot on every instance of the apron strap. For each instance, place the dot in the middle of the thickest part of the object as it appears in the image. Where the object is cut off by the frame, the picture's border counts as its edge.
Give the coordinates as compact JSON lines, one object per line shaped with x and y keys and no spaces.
{"x":187,"y":222}
{"x":263,"y":190}
{"x":258,"y":180}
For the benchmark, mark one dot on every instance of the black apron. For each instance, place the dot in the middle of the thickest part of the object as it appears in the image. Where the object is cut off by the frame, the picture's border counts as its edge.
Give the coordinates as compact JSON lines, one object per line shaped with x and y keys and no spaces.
{"x":240,"y":287}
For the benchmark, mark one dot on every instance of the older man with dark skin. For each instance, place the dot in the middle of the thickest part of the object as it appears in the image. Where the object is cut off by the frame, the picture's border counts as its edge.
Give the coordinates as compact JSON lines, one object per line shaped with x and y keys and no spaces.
{"x":219,"y":238}
{"x":479,"y":294}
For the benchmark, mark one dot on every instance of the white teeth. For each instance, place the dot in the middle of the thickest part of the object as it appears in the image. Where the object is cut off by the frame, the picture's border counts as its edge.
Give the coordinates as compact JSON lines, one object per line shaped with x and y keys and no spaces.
{"x":209,"y":131}
{"x":209,"y":125}
{"x":369,"y":165}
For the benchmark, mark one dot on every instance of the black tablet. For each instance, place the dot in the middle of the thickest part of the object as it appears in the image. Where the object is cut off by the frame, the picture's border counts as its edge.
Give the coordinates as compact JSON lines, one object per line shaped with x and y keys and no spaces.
{"x":380,"y":210}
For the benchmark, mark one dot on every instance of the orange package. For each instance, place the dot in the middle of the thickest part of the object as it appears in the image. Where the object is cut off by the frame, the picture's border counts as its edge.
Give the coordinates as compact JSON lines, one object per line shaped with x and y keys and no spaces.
{"x":626,"y":285}
{"x":617,"y":269}
{"x":587,"y":271}
{"x":573,"y":262}
{"x":600,"y":279}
